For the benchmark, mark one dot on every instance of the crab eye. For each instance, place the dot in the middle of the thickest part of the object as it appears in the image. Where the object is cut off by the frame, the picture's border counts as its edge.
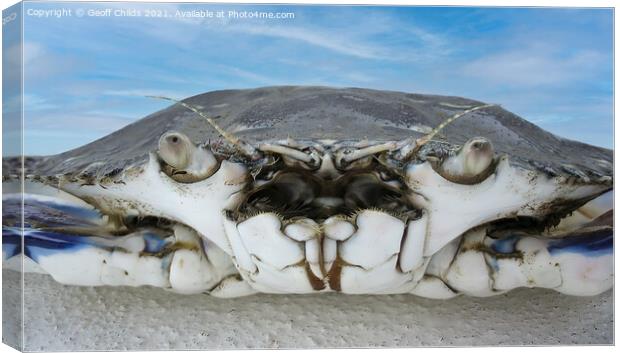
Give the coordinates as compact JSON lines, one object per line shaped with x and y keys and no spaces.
{"x":471,"y":164}
{"x":175,"y":149}
{"x":184,"y":161}
{"x":479,"y":144}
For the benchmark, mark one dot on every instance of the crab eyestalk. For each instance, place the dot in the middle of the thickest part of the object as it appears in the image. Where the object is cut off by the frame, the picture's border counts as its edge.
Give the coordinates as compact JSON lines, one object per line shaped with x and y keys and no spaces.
{"x":185,"y":162}
{"x":471,"y":164}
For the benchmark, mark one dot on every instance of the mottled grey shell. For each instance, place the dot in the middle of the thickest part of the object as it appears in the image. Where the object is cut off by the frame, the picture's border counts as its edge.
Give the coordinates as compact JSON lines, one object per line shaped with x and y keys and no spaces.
{"x":275,"y":113}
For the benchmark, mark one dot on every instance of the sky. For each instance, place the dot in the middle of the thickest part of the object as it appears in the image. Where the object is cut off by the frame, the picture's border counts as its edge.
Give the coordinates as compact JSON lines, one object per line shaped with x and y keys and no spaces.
{"x":86,"y":76}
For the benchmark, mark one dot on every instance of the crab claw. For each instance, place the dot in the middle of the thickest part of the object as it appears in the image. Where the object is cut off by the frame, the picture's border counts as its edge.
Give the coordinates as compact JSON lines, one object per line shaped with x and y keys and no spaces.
{"x":487,"y":262}
{"x":184,"y":161}
{"x":380,"y":254}
{"x":75,"y":248}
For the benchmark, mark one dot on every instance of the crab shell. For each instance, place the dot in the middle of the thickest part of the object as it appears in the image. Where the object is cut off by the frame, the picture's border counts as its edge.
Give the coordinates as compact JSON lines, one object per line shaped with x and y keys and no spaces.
{"x":340,"y":196}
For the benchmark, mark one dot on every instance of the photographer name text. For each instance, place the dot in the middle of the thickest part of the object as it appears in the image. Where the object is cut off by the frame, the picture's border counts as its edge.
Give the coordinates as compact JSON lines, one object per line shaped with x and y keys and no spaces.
{"x":157,"y":13}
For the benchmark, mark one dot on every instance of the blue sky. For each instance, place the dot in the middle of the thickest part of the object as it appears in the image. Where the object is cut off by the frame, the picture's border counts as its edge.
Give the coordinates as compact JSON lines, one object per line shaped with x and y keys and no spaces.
{"x":86,"y":77}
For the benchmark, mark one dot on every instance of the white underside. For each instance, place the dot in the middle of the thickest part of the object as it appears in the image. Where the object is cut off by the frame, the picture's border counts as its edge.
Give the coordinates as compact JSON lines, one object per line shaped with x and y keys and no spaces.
{"x":377,"y":252}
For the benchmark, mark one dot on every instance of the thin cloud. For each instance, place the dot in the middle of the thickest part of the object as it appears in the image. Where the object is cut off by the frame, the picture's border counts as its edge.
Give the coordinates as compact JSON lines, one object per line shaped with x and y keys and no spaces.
{"x":315,"y":38}
{"x":249,"y":75}
{"x":41,"y":63}
{"x":551,"y":119}
{"x":358,"y":77}
{"x":90,"y":122}
{"x":420,"y":44}
{"x":142,"y":93}
{"x":360,"y":43}
{"x":532,"y":67}
{"x":34,"y":102}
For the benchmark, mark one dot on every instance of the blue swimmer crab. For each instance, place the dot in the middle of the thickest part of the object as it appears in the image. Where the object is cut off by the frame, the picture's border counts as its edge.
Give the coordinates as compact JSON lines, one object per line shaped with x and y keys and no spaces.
{"x":315,"y":189}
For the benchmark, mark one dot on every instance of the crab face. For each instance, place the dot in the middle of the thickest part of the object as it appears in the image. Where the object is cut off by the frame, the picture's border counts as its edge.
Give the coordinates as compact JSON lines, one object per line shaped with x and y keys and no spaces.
{"x":411,"y":216}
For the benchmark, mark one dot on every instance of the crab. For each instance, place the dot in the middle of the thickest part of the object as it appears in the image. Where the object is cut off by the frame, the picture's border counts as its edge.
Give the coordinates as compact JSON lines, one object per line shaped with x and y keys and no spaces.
{"x":315,"y":190}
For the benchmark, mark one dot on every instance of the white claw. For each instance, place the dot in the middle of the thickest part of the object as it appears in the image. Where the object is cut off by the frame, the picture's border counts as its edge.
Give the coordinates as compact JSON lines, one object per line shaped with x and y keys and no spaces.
{"x":278,"y":259}
{"x":262,"y":237}
{"x":377,"y":239}
{"x":585,"y":275}
{"x":269,"y":279}
{"x":190,"y":272}
{"x":120,"y":262}
{"x":382,"y":278}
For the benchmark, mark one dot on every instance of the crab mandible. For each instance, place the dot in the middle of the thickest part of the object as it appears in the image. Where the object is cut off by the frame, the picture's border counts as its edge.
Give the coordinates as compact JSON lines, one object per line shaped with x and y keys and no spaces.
{"x":360,"y":195}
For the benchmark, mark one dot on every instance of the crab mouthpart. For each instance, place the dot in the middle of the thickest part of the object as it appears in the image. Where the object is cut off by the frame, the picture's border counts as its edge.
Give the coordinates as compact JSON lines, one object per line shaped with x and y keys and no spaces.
{"x":296,"y":194}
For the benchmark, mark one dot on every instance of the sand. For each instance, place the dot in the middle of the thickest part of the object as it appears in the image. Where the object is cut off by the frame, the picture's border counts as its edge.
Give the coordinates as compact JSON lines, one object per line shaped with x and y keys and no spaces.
{"x":59,"y":317}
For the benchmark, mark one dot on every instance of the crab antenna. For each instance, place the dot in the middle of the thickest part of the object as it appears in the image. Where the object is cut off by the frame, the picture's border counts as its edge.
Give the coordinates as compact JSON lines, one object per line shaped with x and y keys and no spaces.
{"x":417,"y":144}
{"x":287,"y":151}
{"x":368,"y":151}
{"x":452,"y":119}
{"x":243,"y":146}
